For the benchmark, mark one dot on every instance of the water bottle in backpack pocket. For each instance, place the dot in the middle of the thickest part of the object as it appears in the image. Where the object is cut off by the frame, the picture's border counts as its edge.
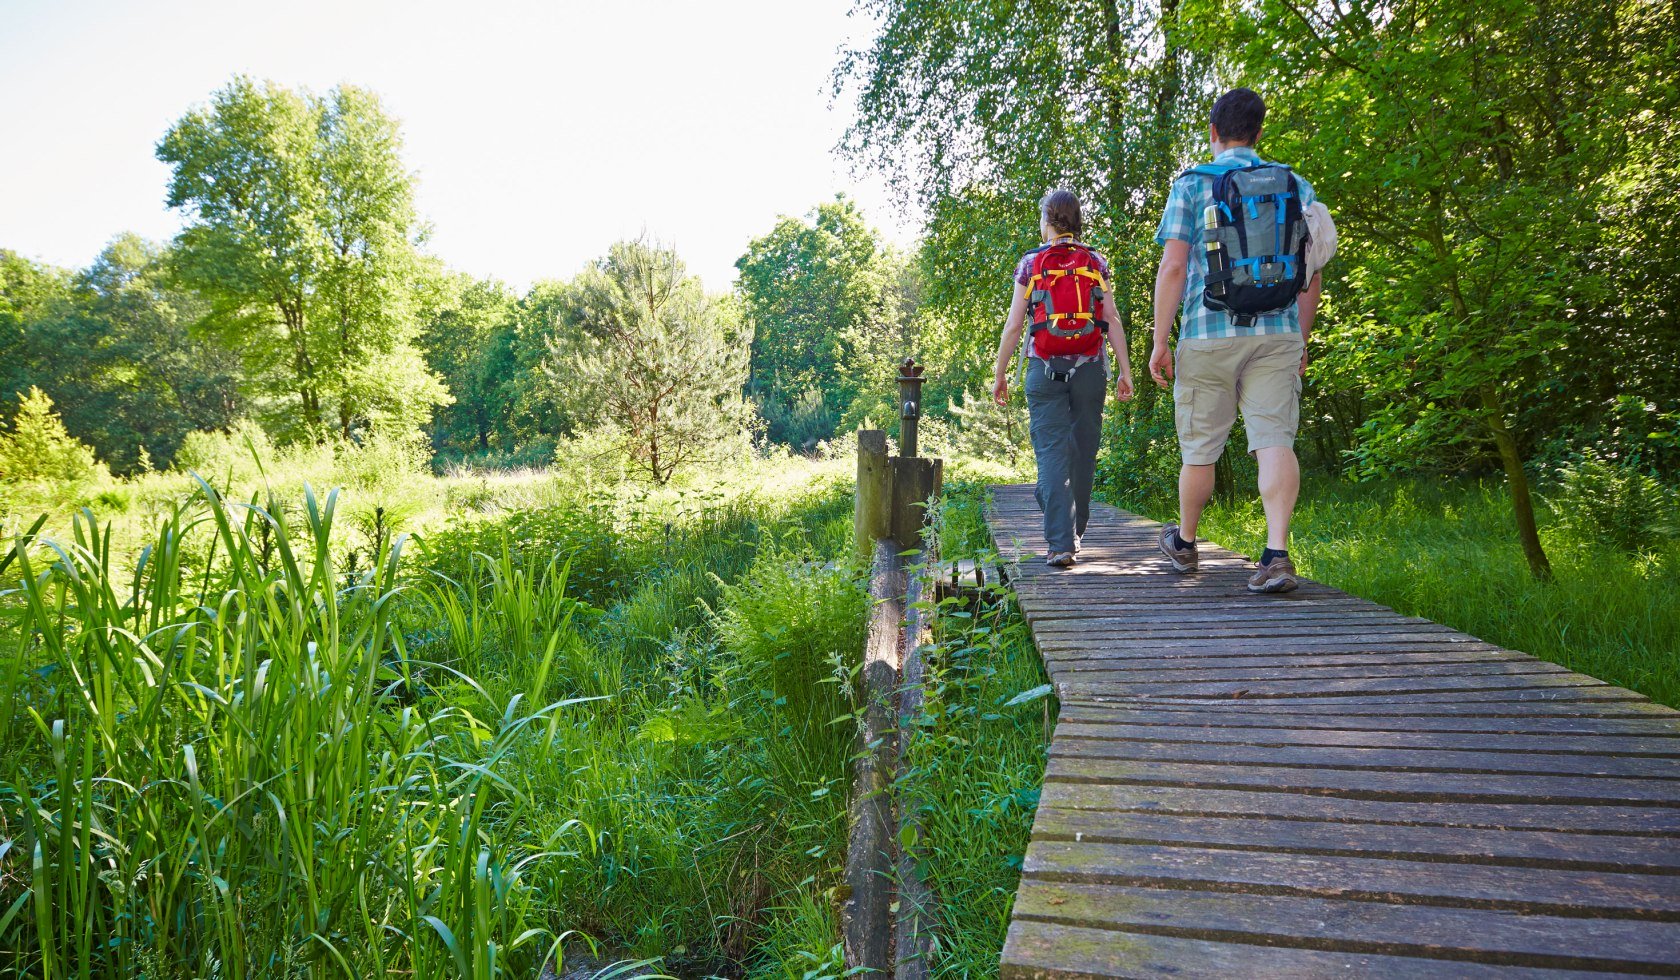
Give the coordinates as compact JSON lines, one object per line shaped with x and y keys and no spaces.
{"x":1256,"y":240}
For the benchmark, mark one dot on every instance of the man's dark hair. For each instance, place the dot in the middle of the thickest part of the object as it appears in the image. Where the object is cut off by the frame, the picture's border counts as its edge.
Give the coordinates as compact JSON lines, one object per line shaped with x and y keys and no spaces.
{"x":1060,"y":208}
{"x":1237,"y":116}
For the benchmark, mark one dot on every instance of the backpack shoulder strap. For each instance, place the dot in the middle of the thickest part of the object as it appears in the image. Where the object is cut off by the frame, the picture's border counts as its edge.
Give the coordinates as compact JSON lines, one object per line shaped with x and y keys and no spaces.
{"x":1210,"y":169}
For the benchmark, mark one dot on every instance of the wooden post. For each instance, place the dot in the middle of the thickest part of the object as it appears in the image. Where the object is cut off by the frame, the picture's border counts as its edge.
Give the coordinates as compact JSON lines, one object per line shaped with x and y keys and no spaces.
{"x":913,"y":930}
{"x":873,"y":516}
{"x":868,"y":913}
{"x":909,"y":405}
{"x":915,"y":481}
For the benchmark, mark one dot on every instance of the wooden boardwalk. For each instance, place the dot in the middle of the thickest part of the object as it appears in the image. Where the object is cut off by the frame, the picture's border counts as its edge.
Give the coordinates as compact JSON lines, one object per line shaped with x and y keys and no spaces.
{"x":1313,"y":785}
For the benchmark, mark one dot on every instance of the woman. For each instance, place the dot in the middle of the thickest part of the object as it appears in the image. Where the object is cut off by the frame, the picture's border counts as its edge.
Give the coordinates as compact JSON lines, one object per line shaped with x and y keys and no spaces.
{"x":1061,"y":290}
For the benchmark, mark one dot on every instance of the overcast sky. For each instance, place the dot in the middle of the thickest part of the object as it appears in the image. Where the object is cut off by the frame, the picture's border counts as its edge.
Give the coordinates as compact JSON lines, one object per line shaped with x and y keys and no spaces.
{"x":540,"y":131}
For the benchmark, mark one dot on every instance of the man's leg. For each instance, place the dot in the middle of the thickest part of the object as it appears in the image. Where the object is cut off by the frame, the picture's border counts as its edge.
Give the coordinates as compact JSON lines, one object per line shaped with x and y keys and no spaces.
{"x":1050,"y":424}
{"x":1089,"y":391}
{"x":1195,"y":489}
{"x":1271,"y":404}
{"x":1280,"y":485}
{"x":1204,"y":408}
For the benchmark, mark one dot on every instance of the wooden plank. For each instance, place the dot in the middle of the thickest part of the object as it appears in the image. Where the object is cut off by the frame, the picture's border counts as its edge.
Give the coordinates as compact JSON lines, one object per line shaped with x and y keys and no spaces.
{"x":1428,"y":759}
{"x":1563,"y":743}
{"x":1516,"y":815}
{"x":1154,"y":660}
{"x":1604,"y":701}
{"x":1053,"y":951}
{"x":1646,"y":727}
{"x":1558,"y":942}
{"x":1378,"y":785}
{"x":1317,"y":785}
{"x":1184,"y":673}
{"x":1449,"y":884}
{"x":1320,"y":687}
{"x":1602,"y":852}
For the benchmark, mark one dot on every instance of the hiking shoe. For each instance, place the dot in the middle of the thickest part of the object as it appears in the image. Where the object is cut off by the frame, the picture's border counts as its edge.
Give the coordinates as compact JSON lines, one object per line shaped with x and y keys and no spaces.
{"x":1183,"y":559}
{"x":1277,"y":575}
{"x":1060,"y":559}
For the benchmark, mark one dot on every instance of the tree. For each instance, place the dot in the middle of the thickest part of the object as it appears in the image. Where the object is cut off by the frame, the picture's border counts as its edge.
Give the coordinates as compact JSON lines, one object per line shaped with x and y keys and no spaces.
{"x":304,"y":241}
{"x":826,"y":300}
{"x":470,"y":344}
{"x":974,"y":110}
{"x":651,"y":359}
{"x":1465,"y":149}
{"x":114,"y":349}
{"x":37,"y":449}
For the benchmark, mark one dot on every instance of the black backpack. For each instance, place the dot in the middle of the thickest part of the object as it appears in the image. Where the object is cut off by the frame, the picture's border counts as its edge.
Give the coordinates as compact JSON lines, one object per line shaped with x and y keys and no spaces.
{"x":1256,"y":246}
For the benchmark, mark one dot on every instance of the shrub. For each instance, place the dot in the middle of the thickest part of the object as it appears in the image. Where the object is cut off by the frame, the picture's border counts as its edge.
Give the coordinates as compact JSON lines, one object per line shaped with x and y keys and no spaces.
{"x":1605,"y":499}
{"x":37,"y":449}
{"x":235,"y":455}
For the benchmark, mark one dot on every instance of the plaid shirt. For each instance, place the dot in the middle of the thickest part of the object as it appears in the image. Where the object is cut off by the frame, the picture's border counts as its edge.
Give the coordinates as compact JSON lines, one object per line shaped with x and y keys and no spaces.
{"x":1182,"y":221}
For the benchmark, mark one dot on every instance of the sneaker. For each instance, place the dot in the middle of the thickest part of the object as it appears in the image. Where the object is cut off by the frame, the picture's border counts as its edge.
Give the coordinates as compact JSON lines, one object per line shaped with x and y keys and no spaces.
{"x":1078,"y":546}
{"x":1060,"y":559}
{"x":1278,"y":575}
{"x":1183,"y":559}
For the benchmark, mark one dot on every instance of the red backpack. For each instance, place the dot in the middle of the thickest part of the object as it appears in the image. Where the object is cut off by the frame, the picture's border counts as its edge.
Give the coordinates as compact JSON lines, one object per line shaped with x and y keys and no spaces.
{"x":1063,"y":292}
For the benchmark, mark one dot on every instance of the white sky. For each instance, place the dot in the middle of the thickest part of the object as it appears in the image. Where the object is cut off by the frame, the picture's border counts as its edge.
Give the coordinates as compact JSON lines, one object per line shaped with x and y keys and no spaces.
{"x":541,"y":131}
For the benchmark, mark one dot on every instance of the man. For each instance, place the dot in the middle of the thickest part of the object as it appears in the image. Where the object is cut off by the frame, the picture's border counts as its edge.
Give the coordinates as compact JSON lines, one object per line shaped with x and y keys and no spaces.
{"x":1228,"y":358}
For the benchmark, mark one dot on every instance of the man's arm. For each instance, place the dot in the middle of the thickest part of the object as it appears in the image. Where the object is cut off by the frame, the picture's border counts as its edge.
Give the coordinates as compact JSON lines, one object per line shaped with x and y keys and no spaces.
{"x":1308,"y":310}
{"x":1169,"y":293}
{"x":1007,"y":343}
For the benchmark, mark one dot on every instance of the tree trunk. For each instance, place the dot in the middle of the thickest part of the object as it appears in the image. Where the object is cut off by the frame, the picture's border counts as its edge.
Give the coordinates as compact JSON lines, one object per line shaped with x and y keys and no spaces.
{"x":1516,"y":479}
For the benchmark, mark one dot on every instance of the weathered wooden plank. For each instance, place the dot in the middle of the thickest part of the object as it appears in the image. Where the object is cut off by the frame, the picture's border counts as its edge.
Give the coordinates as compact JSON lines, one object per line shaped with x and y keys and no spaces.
{"x":1183,"y":673}
{"x":1522,"y":815}
{"x":1476,"y":935}
{"x":1053,"y":951}
{"x":1452,"y":884}
{"x":1316,"y":785}
{"x":1560,"y":743}
{"x":1602,"y":852}
{"x":1563,"y":699}
{"x":1239,"y":723}
{"x":1118,"y":680}
{"x":1122,"y":627}
{"x":1384,"y":759}
{"x":1602,"y":701}
{"x":1376,"y":785}
{"x":1144,"y":660}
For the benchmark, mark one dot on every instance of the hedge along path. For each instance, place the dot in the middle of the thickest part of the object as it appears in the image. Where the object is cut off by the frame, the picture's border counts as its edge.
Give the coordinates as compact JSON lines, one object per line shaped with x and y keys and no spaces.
{"x":1313,"y":785}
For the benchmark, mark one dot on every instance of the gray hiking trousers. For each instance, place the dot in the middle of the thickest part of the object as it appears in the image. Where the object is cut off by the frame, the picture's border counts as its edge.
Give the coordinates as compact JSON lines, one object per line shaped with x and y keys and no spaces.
{"x":1065,"y":421}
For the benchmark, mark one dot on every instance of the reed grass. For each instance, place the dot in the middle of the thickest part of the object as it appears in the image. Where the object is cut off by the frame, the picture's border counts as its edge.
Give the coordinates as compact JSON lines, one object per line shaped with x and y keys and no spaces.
{"x":253,"y":747}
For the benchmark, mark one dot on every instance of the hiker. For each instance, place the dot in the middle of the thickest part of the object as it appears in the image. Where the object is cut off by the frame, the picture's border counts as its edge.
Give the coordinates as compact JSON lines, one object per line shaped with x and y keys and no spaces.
{"x":1062,"y":296}
{"x":1235,"y":256}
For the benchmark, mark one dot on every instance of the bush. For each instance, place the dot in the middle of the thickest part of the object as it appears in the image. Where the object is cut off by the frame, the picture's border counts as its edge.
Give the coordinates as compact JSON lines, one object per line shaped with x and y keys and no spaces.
{"x":234,"y":455}
{"x":37,"y":449}
{"x":1601,"y":498}
{"x":1138,"y":464}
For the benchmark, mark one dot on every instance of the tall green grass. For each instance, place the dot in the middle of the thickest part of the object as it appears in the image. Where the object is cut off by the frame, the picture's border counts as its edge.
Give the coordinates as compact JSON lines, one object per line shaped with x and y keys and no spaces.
{"x":250,"y":750}
{"x":977,"y":753}
{"x":224,"y":770}
{"x":1447,"y":551}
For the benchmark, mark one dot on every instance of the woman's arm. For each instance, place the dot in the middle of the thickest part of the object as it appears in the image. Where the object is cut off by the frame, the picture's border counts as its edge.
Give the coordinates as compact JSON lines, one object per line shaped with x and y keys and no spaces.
{"x":1007,"y":343}
{"x":1122,"y":354}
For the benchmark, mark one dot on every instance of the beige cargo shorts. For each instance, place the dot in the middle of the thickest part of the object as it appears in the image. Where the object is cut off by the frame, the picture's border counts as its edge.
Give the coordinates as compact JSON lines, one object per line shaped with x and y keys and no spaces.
{"x":1213,"y":377}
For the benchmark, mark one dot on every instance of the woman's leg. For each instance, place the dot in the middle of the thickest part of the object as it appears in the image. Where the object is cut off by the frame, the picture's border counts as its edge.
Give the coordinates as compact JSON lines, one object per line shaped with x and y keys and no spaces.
{"x":1089,"y":389}
{"x":1051,"y":427}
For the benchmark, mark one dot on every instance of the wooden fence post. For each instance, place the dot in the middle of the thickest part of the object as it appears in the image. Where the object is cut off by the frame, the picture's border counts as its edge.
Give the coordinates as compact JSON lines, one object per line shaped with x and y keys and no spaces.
{"x":873,"y":514}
